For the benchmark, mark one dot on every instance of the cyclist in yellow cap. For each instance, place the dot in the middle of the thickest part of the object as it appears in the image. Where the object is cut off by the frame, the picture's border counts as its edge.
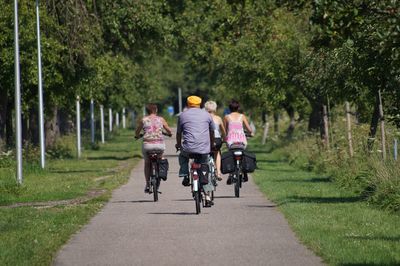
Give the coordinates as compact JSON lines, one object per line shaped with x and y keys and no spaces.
{"x":195,"y":135}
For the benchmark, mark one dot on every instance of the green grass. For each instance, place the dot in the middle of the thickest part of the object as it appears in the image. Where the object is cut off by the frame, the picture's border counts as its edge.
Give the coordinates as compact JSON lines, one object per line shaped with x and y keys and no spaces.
{"x":336,"y":224}
{"x":31,"y":236}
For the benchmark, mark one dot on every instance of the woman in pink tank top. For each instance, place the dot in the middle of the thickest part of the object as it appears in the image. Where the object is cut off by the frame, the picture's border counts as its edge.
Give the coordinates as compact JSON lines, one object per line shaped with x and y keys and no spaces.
{"x":153,"y":139}
{"x":234,"y":123}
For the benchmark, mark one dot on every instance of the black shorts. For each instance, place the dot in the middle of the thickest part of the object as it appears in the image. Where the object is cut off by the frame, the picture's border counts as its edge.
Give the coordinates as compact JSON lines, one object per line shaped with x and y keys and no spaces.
{"x":217,"y":144}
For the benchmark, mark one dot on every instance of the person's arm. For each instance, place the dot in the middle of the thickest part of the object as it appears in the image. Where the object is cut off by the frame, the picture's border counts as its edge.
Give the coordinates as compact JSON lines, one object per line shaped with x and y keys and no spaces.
{"x":166,"y":127}
{"x":247,"y":126}
{"x":178,"y":135}
{"x":212,"y":133}
{"x":138,"y":129}
{"x":222,"y":128}
{"x":226,"y":125}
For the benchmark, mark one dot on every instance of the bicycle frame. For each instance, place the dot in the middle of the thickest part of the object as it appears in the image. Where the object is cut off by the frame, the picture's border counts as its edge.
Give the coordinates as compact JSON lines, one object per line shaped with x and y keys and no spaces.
{"x":154,"y":179}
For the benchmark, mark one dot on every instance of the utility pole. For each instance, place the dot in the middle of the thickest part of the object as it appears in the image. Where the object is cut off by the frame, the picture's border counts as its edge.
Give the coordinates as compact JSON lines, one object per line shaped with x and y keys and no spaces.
{"x":41,"y":120}
{"x":123,"y":118}
{"x":110,"y":120}
{"x":180,"y":99}
{"x":78,"y":127}
{"x":18,"y":127}
{"x":92,"y":120}
{"x":102,"y":122}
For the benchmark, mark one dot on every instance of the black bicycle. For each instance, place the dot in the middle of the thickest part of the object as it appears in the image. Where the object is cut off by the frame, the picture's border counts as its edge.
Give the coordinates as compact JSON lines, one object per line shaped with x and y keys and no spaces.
{"x":155,"y":178}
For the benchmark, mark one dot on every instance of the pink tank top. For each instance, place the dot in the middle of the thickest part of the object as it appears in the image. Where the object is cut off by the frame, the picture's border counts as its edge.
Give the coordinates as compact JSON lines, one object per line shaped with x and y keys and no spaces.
{"x":235,"y":131}
{"x":152,"y":127}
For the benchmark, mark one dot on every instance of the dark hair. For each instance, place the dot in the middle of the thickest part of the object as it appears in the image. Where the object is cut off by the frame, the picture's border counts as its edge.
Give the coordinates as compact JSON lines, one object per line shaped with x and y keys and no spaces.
{"x":151,"y":108}
{"x":234,"y":105}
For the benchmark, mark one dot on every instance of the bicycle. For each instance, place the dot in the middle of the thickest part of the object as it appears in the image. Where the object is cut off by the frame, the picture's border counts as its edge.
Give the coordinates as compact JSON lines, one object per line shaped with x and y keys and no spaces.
{"x":198,"y":175}
{"x":154,"y":179}
{"x":213,"y":174}
{"x":238,"y":176}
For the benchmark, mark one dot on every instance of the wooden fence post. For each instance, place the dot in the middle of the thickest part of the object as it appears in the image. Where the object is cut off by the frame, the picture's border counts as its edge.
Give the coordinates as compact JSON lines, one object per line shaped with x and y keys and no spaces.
{"x":266,"y":129}
{"x":349,"y":136}
{"x":382,"y":126}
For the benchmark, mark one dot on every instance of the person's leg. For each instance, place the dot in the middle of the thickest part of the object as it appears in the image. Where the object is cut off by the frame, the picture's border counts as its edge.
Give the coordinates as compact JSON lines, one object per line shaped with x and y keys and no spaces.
{"x":147,"y":171}
{"x":184,"y":168}
{"x":217,"y":156}
{"x":146,"y":168}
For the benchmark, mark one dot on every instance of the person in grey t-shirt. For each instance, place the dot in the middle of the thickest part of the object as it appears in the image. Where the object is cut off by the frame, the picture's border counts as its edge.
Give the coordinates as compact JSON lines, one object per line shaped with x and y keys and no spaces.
{"x":195,"y":135}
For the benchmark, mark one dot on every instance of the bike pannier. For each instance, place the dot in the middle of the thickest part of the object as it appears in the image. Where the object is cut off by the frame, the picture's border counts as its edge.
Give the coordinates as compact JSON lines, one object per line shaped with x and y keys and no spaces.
{"x":227,"y":163}
{"x":163,"y":168}
{"x":204,"y":172}
{"x":249,"y":162}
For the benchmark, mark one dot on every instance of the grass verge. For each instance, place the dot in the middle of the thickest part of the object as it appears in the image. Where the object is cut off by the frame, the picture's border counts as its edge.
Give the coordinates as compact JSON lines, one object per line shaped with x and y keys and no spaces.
{"x":31,"y":236}
{"x":336,"y":224}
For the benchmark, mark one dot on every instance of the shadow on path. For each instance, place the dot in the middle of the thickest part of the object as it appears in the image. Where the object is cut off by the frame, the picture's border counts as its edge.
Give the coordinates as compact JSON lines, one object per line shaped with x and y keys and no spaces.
{"x":132,"y":201}
{"x":174,"y":213}
{"x":263,"y":206}
{"x":114,"y":158}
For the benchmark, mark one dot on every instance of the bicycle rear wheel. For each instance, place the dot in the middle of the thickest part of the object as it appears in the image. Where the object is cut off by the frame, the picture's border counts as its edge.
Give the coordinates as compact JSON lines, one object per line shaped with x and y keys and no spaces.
{"x":237,"y":184}
{"x":155,"y":188}
{"x":197,"y":201}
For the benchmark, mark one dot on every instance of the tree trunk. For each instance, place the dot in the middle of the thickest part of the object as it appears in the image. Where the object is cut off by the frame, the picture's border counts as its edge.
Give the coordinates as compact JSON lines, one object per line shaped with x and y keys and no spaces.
{"x":374,"y":124}
{"x":289,"y":131}
{"x":34,"y":126}
{"x":52,"y":128}
{"x":315,"y":118}
{"x":66,"y":124}
{"x":276,"y":123}
{"x":3,"y":116}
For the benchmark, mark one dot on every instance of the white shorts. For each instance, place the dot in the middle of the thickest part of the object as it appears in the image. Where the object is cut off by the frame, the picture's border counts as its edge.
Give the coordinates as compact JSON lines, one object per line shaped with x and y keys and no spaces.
{"x":146,"y":147}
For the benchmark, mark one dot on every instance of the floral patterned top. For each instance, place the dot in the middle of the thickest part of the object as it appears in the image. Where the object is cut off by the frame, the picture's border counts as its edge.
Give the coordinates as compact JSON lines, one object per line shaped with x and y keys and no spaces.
{"x":152,"y":127}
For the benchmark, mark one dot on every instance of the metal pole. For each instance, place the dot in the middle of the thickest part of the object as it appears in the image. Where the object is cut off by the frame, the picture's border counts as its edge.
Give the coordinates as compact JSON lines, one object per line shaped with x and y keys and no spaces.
{"x":18,"y":127}
{"x":123,"y":118}
{"x":395,"y":149}
{"x":110,"y":122}
{"x":117,"y":120}
{"x":92,"y":120}
{"x":102,"y":122}
{"x":180,"y":99}
{"x":78,"y":127}
{"x":41,"y":120}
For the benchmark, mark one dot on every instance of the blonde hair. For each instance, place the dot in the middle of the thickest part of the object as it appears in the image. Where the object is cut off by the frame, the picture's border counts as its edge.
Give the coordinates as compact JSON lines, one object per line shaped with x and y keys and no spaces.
{"x":210,"y":106}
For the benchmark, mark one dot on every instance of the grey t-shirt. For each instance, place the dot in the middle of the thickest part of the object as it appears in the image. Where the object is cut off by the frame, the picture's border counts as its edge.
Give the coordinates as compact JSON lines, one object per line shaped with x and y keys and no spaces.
{"x":195,"y":124}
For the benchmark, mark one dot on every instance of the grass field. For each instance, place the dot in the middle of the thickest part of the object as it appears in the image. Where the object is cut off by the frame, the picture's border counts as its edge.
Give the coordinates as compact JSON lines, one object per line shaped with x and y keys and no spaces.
{"x":32,"y":235}
{"x":336,"y":224}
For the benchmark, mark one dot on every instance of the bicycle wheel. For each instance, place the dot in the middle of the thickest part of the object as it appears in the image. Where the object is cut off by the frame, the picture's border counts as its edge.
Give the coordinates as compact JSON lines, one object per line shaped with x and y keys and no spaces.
{"x":154,"y":179}
{"x":197,"y":201}
{"x":237,"y":184}
{"x":155,"y":188}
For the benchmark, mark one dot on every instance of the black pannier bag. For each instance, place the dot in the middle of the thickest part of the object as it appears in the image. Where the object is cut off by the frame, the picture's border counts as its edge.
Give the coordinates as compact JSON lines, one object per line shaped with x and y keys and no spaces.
{"x":203,"y":173}
{"x":249,"y":162}
{"x":227,"y":162}
{"x":163,"y":167}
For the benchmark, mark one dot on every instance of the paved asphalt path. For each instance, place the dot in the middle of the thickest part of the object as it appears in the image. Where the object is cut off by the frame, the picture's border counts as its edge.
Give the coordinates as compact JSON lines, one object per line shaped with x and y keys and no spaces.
{"x":133,"y":230}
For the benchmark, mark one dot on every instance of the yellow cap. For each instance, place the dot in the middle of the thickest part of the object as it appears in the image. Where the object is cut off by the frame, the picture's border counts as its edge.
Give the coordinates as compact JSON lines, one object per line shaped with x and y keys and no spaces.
{"x":193,"y":101}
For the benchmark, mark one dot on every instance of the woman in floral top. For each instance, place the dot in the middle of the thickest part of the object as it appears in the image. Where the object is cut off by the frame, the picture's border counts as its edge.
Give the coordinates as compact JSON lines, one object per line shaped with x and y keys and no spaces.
{"x":153,"y":139}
